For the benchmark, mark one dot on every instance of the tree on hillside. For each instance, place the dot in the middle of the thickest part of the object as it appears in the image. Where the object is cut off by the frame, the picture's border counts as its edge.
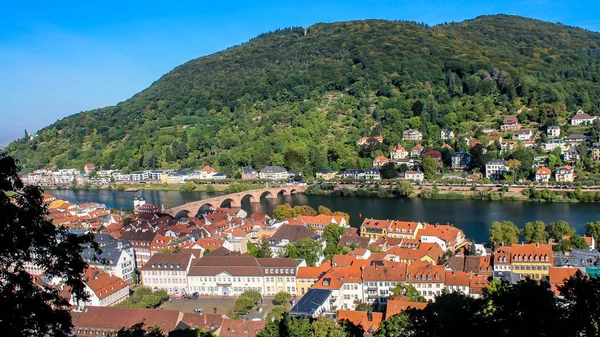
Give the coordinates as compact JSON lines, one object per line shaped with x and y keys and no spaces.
{"x":504,"y":232}
{"x":324,"y":210}
{"x":558,"y":229}
{"x":409,"y":291}
{"x":263,"y":250}
{"x":582,"y":297}
{"x":535,"y":232}
{"x":325,"y":327}
{"x":429,"y":167}
{"x":388,"y":171}
{"x":403,"y":188}
{"x":28,"y":237}
{"x":394,"y":326}
{"x":307,"y":249}
{"x":283,"y":298}
{"x":332,"y":234}
{"x":593,"y":229}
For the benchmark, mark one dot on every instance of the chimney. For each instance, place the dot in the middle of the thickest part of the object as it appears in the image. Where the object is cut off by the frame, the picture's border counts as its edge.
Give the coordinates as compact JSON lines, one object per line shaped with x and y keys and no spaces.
{"x":370,"y":316}
{"x":204,"y":318}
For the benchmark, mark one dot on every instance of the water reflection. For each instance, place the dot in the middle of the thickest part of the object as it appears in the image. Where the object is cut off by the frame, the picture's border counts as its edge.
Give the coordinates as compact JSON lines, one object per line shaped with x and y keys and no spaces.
{"x":474,"y":217}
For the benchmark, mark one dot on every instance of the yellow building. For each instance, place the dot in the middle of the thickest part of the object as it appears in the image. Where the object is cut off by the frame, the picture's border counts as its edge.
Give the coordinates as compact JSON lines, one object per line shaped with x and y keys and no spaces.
{"x":531,"y":260}
{"x":56,"y":203}
{"x":326,"y":174}
{"x":164,"y":178}
{"x":308,"y":276}
{"x":404,"y":229}
{"x":375,"y":229}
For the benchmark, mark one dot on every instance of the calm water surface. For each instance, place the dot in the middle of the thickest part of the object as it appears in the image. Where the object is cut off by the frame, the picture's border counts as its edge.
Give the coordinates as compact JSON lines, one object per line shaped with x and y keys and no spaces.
{"x":474,"y":217}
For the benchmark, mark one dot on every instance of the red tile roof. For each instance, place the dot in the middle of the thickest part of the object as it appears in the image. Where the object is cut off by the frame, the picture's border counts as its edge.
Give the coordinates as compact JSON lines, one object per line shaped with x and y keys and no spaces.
{"x":368,"y":321}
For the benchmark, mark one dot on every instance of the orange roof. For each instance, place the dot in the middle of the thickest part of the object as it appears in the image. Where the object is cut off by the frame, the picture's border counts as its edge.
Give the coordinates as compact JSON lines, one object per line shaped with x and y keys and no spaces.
{"x":343,"y":260}
{"x":392,"y":272}
{"x":398,"y":305}
{"x":160,"y":242}
{"x":558,"y":276}
{"x":532,"y":252}
{"x":478,"y":283}
{"x":381,"y":159}
{"x":444,"y":232}
{"x":543,"y":170}
{"x":408,"y":227}
{"x":374,"y":223}
{"x":432,"y":250}
{"x":421,"y":271}
{"x":368,"y":321}
{"x":313,"y":272}
{"x":102,"y":283}
{"x":457,"y":278}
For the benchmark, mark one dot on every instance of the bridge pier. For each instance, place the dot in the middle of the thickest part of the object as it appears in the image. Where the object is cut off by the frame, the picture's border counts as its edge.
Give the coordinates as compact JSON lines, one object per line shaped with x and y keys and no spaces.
{"x":271,"y":196}
{"x":235,"y":204}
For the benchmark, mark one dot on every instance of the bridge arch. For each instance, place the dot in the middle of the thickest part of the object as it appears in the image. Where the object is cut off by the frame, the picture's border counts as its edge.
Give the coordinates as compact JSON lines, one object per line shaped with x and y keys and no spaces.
{"x":251,"y":198}
{"x":233,"y":202}
{"x":268,"y":195}
{"x":283,"y":192}
{"x":207,"y":206}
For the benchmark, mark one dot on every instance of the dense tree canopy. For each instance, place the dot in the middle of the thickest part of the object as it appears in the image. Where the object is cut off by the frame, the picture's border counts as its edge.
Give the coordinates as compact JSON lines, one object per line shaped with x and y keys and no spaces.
{"x":301,"y":98}
{"x":27,"y":236}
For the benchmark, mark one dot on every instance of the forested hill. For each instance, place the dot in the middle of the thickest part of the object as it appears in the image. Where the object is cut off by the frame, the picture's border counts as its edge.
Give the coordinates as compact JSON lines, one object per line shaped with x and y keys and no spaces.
{"x":302,"y":97}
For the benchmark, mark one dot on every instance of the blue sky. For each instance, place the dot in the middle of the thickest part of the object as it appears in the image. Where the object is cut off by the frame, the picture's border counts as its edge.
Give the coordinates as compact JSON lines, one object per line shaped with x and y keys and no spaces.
{"x":61,"y":57}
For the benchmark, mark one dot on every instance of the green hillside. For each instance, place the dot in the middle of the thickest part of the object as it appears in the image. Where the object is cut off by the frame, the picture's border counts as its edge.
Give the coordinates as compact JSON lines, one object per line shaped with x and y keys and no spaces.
{"x":301,"y":98}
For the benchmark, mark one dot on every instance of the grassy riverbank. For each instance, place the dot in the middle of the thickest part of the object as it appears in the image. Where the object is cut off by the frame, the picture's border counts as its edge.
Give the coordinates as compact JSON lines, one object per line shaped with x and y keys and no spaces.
{"x":448,"y":193}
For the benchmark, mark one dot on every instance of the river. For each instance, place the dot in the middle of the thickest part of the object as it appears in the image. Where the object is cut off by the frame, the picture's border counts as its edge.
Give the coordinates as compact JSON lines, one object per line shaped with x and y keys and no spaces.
{"x":474,"y":217}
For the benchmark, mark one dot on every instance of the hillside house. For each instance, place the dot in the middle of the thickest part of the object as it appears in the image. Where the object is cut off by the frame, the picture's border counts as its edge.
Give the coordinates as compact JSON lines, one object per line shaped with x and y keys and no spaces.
{"x":412,"y":135}
{"x":564,"y":174}
{"x":370,"y":140}
{"x":510,"y":123}
{"x":494,"y":169}
{"x":379,"y":161}
{"x":543,"y":174}
{"x":553,"y":131}
{"x":582,"y":118}
{"x":461,"y":161}
{"x":399,"y":152}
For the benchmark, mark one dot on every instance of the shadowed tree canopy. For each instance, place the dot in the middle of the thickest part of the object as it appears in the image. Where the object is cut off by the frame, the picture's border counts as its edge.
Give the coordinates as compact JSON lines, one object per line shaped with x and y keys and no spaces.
{"x":27,"y":236}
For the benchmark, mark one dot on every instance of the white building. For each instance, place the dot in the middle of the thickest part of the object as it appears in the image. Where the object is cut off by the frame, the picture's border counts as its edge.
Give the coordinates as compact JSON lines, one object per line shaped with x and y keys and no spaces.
{"x":582,"y":118}
{"x":273,"y":173}
{"x":414,"y":175}
{"x":373,"y":174}
{"x":525,"y":134}
{"x":103,"y":289}
{"x":553,"y":131}
{"x":412,"y":135}
{"x":447,"y":134}
{"x":167,"y":272}
{"x":494,"y":169}
{"x":232,"y":275}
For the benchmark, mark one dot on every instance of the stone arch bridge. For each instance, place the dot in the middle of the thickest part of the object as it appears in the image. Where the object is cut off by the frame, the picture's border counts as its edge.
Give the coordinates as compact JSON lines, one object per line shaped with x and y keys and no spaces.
{"x":235,"y":199}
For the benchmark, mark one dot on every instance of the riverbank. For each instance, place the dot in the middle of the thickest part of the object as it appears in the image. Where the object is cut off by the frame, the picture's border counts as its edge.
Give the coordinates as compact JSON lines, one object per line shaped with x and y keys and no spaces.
{"x":187,"y":187}
{"x":455,"y":193}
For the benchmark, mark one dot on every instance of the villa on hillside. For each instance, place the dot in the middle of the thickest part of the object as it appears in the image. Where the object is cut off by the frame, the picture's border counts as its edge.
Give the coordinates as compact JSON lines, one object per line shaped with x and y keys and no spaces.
{"x":582,"y":118}
{"x":510,"y":123}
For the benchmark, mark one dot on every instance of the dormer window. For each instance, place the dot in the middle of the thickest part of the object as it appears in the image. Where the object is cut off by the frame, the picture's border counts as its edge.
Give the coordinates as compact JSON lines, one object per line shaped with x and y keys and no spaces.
{"x":437,"y":277}
{"x":429,"y":277}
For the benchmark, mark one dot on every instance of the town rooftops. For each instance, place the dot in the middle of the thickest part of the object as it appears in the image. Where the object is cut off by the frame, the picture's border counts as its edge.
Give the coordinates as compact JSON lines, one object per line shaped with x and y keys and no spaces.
{"x":102,"y":283}
{"x":310,"y":302}
{"x":375,"y":223}
{"x":402,"y":303}
{"x":293,"y":233}
{"x":367,"y":320}
{"x":112,"y":319}
{"x":178,"y":261}
{"x":243,"y":266}
{"x":240,"y":328}
{"x":531,"y":252}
